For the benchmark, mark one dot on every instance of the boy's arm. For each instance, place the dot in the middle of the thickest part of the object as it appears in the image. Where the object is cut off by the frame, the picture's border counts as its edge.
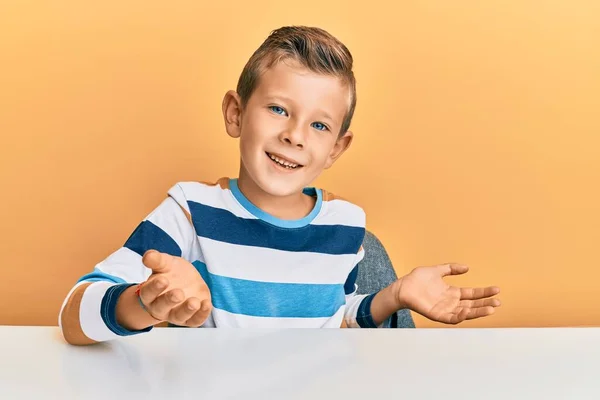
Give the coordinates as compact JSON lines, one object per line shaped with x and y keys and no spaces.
{"x":425,"y":292}
{"x":103,"y":304}
{"x":369,"y":311}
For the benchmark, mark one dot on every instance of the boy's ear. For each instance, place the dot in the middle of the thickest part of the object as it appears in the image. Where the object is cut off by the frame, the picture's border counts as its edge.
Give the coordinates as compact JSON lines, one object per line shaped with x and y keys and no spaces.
{"x":341,"y":145}
{"x":232,"y":113}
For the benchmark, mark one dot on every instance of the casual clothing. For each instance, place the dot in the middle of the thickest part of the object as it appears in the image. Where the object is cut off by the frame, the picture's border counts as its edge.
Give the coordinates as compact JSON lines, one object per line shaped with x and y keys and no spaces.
{"x":261,"y":271}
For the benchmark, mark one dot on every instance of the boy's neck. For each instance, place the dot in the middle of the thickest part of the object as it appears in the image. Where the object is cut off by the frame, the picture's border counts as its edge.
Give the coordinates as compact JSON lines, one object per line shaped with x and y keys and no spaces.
{"x":292,"y":207}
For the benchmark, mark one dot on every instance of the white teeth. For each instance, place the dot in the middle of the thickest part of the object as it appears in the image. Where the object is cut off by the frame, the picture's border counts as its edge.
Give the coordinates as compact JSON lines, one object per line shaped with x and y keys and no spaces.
{"x":283,"y":163}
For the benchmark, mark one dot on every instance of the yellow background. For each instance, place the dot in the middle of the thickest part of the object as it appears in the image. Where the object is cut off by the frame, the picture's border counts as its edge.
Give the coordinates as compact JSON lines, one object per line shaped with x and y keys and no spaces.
{"x":477,"y":136}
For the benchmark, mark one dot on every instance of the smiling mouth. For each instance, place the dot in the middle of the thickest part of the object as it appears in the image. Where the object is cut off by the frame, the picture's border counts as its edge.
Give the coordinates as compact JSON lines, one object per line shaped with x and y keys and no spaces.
{"x":282,"y":162}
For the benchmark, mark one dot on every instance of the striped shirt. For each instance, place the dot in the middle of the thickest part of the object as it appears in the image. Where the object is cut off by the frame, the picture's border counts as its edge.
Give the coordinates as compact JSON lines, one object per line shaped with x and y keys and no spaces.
{"x":261,"y":271}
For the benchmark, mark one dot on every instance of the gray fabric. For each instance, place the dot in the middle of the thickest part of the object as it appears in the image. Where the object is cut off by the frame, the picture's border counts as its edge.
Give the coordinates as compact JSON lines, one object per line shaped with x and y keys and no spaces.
{"x":375,"y":272}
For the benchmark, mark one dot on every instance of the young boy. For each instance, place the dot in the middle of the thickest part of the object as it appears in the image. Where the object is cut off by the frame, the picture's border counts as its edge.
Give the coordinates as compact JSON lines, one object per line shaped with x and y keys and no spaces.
{"x":265,"y":249}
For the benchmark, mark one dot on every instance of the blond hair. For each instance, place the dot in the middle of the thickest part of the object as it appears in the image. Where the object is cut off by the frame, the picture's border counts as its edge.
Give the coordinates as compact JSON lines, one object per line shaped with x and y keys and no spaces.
{"x":313,"y":48}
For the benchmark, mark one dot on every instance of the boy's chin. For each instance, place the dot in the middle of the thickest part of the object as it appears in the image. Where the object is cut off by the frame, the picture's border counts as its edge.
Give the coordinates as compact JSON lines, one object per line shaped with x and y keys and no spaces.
{"x":281,"y":187}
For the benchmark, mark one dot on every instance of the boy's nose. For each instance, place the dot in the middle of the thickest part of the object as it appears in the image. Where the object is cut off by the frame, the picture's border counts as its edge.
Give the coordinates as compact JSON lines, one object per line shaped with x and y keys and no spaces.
{"x":293,"y":137}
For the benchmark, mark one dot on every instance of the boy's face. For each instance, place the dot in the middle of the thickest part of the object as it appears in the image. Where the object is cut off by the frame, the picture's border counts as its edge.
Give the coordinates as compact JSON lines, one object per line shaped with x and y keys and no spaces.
{"x":293,"y":118}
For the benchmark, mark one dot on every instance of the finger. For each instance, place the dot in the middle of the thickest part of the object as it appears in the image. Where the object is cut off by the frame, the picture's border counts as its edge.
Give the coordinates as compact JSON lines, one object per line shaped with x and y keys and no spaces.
{"x":478,"y":293}
{"x":165,"y":302}
{"x":184,"y":311}
{"x":158,"y":262}
{"x":452,"y":269}
{"x":459,"y":315}
{"x":480,"y":303}
{"x":201,"y":315}
{"x":152,"y":288}
{"x":480,"y":312}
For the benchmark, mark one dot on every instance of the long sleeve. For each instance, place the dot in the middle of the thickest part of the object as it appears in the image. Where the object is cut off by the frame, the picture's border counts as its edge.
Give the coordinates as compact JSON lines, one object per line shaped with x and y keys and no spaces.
{"x":88,"y":312}
{"x":358,"y":306}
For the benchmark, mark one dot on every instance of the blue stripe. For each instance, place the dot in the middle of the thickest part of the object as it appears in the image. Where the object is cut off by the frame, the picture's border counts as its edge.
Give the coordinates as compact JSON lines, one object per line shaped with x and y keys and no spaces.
{"x":108,"y":311}
{"x":148,"y":236}
{"x":98,"y":275}
{"x":267,"y":299}
{"x":351,"y":281}
{"x":258,"y":213}
{"x":221,"y":225}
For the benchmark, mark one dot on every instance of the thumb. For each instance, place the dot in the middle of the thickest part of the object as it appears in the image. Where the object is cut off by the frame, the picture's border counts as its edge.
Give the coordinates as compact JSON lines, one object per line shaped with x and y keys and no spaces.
{"x":158,"y":262}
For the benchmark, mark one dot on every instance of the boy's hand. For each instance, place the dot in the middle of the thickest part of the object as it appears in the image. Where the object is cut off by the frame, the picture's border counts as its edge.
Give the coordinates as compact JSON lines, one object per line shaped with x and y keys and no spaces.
{"x":175,"y":292}
{"x":425,"y":292}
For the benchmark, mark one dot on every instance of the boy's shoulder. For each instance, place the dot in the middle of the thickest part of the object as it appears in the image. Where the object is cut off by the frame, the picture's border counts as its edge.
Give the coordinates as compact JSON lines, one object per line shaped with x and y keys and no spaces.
{"x":342,"y":209}
{"x":202,"y":192}
{"x":190,"y":186}
{"x":200,"y":188}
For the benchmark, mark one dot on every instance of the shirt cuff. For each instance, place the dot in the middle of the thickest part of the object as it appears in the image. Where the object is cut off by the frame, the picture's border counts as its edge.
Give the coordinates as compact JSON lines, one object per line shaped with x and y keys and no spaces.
{"x":108,"y":310}
{"x":364,"y":318}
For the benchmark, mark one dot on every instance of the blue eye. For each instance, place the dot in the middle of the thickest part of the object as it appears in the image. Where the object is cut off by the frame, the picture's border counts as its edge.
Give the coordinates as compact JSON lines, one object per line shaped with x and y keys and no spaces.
{"x":319,"y":126}
{"x":278,"y":110}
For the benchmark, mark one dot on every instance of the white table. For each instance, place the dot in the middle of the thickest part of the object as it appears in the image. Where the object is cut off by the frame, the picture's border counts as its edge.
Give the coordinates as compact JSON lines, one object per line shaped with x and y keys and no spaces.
{"x":304,"y":364}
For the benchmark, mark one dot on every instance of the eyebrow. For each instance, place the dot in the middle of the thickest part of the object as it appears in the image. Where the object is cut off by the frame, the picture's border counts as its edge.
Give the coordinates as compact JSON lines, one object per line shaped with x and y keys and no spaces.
{"x":290,"y":100}
{"x":279,"y":97}
{"x":327,"y":116}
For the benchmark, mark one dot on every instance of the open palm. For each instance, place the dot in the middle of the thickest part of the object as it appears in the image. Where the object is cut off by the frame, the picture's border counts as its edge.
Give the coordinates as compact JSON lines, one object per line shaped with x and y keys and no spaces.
{"x":425,"y":292}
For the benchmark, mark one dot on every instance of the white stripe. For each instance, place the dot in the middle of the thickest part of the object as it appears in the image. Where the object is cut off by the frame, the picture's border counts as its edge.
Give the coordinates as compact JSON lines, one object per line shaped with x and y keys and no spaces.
{"x":125,"y":264}
{"x":360,"y":255}
{"x":340,"y":212}
{"x":270,"y":265}
{"x":213,"y":196}
{"x":90,"y":317}
{"x":225,"y":319}
{"x":170,"y":218}
{"x":352,"y":303}
{"x":177,"y":193}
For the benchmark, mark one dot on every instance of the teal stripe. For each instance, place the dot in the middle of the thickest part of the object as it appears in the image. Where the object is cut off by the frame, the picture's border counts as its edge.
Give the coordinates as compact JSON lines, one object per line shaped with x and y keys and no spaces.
{"x":282,"y":223}
{"x":98,"y":276}
{"x":267,"y":299}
